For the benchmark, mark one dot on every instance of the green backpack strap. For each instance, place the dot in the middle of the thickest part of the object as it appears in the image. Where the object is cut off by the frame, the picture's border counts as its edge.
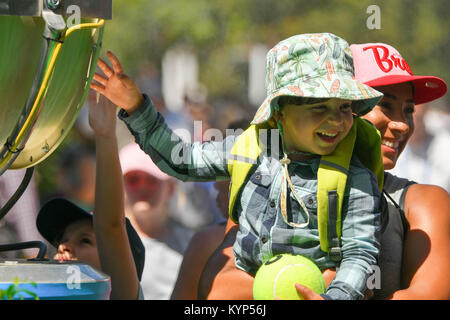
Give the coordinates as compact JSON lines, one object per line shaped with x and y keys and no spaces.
{"x":243,"y":157}
{"x":368,"y":149}
{"x":332,"y":176}
{"x":365,"y":140}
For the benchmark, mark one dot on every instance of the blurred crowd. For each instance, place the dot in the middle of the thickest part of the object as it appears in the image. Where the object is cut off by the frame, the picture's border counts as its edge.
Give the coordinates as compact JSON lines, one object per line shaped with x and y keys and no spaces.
{"x":177,"y":210}
{"x":425,"y":158}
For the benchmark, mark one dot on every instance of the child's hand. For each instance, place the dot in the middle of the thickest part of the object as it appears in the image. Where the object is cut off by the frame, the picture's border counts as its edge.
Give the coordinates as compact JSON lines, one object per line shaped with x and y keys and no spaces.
{"x":116,"y":86}
{"x":102,"y":116}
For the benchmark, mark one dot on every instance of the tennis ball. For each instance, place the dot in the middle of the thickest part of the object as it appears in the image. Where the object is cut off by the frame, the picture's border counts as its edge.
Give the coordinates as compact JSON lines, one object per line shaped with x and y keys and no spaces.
{"x":277,"y":277}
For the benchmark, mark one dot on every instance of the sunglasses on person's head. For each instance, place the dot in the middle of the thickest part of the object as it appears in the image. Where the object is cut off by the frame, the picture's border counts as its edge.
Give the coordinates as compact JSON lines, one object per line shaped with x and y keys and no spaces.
{"x":137,"y":178}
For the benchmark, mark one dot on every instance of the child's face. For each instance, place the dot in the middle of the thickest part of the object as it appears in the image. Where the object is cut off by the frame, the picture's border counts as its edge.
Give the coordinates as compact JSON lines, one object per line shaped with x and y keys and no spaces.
{"x":316,"y":128}
{"x":78,"y":243}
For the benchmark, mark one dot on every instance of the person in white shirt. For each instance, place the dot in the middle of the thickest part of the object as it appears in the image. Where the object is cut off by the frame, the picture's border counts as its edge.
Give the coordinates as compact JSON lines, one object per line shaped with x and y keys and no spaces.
{"x":147,"y":195}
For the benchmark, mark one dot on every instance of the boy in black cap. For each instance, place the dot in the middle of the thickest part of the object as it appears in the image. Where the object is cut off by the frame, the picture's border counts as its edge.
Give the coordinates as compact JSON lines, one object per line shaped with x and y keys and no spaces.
{"x":70,"y":229}
{"x":106,"y":240}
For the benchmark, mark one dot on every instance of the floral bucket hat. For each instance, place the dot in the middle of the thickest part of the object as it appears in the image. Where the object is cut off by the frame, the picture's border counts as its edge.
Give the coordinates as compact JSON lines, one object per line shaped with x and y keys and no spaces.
{"x":316,"y":65}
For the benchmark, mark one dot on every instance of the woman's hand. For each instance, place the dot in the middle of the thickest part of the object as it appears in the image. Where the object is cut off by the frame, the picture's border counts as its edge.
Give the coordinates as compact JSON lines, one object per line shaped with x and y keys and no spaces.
{"x":307,"y":293}
{"x":328,"y":275}
{"x":117,"y":86}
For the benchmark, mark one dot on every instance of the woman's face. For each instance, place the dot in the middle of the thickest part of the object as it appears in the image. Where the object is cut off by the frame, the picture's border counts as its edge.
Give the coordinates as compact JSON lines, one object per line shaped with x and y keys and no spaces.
{"x":78,"y":243}
{"x":393,"y":117}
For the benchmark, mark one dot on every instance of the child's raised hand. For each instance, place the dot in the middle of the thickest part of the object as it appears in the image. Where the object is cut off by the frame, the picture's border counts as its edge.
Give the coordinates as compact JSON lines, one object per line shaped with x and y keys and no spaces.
{"x":102,"y":116}
{"x":116,"y":86}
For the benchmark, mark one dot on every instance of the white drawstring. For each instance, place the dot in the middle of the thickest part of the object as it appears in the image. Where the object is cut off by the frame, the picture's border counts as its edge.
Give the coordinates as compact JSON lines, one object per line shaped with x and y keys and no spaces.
{"x":286,"y":180}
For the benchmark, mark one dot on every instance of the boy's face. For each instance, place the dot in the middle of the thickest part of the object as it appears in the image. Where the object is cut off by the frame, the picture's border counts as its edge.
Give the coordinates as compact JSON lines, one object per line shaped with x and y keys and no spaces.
{"x":78,"y":243}
{"x":316,"y":128}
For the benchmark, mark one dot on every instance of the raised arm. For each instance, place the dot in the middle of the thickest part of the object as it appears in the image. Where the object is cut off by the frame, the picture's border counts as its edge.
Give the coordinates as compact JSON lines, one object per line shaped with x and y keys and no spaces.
{"x":426,"y":255}
{"x":184,"y":160}
{"x":109,"y":217}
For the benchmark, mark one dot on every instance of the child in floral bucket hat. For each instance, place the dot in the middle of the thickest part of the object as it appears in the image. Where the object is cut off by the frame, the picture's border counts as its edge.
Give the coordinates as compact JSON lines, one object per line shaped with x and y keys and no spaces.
{"x":321,"y":198}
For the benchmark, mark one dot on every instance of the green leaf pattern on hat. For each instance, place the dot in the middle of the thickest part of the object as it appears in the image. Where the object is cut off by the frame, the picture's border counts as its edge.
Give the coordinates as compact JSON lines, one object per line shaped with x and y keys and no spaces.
{"x":313,"y":65}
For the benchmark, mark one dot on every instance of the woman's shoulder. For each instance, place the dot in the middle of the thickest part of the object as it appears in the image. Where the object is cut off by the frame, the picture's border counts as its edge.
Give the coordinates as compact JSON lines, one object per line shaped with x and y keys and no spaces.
{"x":415,"y":195}
{"x":395,"y":186}
{"x":425,"y":202}
{"x":425,"y":194}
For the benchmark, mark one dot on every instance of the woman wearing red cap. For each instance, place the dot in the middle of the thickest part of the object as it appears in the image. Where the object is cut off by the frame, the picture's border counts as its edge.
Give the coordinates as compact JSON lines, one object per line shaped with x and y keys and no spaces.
{"x":414,"y":250}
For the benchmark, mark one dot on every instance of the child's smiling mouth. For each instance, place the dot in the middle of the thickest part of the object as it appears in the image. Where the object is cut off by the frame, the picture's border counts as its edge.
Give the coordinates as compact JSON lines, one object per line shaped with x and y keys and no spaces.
{"x":328,"y":136}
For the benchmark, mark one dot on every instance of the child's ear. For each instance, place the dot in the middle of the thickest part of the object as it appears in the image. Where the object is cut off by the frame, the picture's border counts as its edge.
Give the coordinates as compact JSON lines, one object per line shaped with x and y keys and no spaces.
{"x":277,"y":115}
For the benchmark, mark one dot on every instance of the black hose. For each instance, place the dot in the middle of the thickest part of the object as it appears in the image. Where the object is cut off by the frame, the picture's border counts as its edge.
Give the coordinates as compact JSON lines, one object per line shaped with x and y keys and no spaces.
{"x":20,"y":190}
{"x":27,"y":245}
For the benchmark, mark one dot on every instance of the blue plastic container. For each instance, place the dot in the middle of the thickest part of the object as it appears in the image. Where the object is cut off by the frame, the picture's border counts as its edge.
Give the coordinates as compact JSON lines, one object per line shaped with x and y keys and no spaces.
{"x":52,"y":280}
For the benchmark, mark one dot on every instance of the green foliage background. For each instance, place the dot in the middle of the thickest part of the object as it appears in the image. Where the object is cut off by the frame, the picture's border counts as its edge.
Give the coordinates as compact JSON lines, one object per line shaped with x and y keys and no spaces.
{"x":221,"y":32}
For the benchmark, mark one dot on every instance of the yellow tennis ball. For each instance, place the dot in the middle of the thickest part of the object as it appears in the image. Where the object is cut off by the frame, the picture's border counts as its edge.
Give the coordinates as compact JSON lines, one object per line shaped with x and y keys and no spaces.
{"x":277,"y":277}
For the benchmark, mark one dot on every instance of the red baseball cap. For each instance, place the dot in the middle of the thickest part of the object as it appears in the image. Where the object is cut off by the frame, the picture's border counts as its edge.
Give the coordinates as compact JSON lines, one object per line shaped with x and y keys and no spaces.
{"x":379,"y":64}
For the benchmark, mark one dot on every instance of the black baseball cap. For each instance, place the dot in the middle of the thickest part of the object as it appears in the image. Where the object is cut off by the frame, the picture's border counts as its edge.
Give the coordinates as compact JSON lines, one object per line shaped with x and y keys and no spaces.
{"x":56,"y":214}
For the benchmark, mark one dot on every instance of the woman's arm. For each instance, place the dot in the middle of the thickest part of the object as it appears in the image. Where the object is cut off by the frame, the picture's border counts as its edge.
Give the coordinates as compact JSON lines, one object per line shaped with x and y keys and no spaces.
{"x":221,"y":279}
{"x":426,"y":255}
{"x":200,"y":248}
{"x":109,"y":218}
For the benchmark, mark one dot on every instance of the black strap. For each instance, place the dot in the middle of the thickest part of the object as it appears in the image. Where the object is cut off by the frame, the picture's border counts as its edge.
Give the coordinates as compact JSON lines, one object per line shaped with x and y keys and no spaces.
{"x":334,"y":248}
{"x":384,"y":210}
{"x":402,"y":207}
{"x":26,"y":245}
{"x":20,"y":190}
{"x":392,"y":200}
